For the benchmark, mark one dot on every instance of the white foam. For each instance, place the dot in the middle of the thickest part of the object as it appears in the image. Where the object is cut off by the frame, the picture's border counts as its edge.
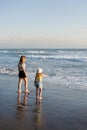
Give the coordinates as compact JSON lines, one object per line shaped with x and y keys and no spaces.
{"x":8,"y":71}
{"x":36,"y":52}
{"x":3,"y":51}
{"x":59,"y":57}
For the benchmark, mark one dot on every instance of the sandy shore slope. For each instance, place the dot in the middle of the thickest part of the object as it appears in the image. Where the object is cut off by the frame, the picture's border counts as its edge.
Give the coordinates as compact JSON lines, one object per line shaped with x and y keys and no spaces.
{"x":60,"y":109}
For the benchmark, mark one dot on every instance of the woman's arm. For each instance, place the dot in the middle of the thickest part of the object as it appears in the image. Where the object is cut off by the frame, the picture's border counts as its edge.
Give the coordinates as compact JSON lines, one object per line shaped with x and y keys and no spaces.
{"x":23,"y":69}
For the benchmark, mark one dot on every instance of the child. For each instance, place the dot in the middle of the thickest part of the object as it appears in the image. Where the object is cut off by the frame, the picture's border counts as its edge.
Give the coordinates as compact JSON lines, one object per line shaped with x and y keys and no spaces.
{"x":38,"y":83}
{"x":22,"y":74}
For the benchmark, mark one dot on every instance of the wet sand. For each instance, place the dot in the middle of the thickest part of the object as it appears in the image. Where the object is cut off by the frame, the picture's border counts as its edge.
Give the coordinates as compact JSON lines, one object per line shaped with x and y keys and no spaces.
{"x":60,"y":109}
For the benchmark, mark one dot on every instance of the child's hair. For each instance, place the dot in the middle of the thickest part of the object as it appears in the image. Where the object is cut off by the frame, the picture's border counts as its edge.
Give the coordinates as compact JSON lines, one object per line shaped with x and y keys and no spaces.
{"x":22,"y":58}
{"x":38,"y":76}
{"x":39,"y":70}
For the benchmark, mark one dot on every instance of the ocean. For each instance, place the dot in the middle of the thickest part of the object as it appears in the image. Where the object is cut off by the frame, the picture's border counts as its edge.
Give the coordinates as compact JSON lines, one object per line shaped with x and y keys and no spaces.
{"x":65,"y":67}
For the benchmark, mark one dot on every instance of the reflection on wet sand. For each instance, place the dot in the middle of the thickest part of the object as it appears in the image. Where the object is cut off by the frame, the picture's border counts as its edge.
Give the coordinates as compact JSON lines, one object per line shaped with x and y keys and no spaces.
{"x":37,"y":115}
{"x":21,"y":105}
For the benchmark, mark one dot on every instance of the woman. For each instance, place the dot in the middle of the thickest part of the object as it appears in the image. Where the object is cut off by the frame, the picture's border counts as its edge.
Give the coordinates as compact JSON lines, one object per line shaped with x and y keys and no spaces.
{"x":22,"y":74}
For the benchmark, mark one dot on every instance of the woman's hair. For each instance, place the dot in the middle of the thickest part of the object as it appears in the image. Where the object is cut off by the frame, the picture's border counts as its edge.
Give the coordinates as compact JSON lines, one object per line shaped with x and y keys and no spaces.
{"x":22,"y":58}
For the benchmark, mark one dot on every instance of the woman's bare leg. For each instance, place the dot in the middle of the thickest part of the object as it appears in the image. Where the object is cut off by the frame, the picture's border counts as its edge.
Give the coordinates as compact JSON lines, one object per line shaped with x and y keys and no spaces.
{"x":19,"y":85}
{"x":26,"y":85}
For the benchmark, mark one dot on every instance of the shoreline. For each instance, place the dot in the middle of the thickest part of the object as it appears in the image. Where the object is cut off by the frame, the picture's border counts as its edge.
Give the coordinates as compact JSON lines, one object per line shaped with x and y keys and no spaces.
{"x":60,"y":109}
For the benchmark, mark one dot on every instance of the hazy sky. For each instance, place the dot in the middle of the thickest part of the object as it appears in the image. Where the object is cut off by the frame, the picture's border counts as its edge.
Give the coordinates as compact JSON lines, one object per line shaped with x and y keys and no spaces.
{"x":43,"y":23}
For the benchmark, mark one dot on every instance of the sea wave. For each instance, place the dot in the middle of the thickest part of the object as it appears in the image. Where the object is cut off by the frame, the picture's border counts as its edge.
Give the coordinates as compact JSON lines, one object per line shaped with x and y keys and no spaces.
{"x":3,"y":51}
{"x":59,"y":57}
{"x":8,"y":71}
{"x":55,"y":54}
{"x":35,"y":52}
{"x":60,"y":79}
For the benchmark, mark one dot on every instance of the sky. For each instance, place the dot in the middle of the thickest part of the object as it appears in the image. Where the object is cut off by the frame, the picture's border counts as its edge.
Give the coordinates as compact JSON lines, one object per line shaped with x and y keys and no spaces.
{"x":43,"y":23}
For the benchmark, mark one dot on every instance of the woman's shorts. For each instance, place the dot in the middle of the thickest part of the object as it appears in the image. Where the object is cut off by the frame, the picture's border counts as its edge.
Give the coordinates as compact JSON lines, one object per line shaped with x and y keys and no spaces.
{"x":38,"y":84}
{"x":22,"y":74}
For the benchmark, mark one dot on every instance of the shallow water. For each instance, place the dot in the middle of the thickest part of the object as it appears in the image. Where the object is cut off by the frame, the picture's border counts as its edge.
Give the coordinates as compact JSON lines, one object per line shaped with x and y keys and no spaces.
{"x":65,"y":67}
{"x":60,"y":109}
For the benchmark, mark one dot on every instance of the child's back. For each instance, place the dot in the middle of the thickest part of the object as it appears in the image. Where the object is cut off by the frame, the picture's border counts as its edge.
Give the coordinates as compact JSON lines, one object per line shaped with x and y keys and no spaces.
{"x":39,"y":76}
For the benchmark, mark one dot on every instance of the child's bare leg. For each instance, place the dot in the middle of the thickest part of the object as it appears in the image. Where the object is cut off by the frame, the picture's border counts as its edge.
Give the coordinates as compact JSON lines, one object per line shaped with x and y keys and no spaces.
{"x":40,"y":93}
{"x":36,"y":92}
{"x":19,"y":85}
{"x":26,"y":85}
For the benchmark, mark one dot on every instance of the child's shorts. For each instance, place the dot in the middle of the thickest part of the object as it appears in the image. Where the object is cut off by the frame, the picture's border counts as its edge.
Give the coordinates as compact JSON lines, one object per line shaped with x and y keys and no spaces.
{"x":38,"y":84}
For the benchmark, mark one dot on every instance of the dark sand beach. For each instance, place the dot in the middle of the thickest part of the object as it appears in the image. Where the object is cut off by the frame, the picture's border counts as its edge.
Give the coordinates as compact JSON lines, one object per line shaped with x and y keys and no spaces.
{"x":61,"y":108}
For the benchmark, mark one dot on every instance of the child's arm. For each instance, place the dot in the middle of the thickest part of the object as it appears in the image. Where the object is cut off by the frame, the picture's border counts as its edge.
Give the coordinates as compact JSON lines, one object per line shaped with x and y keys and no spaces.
{"x":45,"y":75}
